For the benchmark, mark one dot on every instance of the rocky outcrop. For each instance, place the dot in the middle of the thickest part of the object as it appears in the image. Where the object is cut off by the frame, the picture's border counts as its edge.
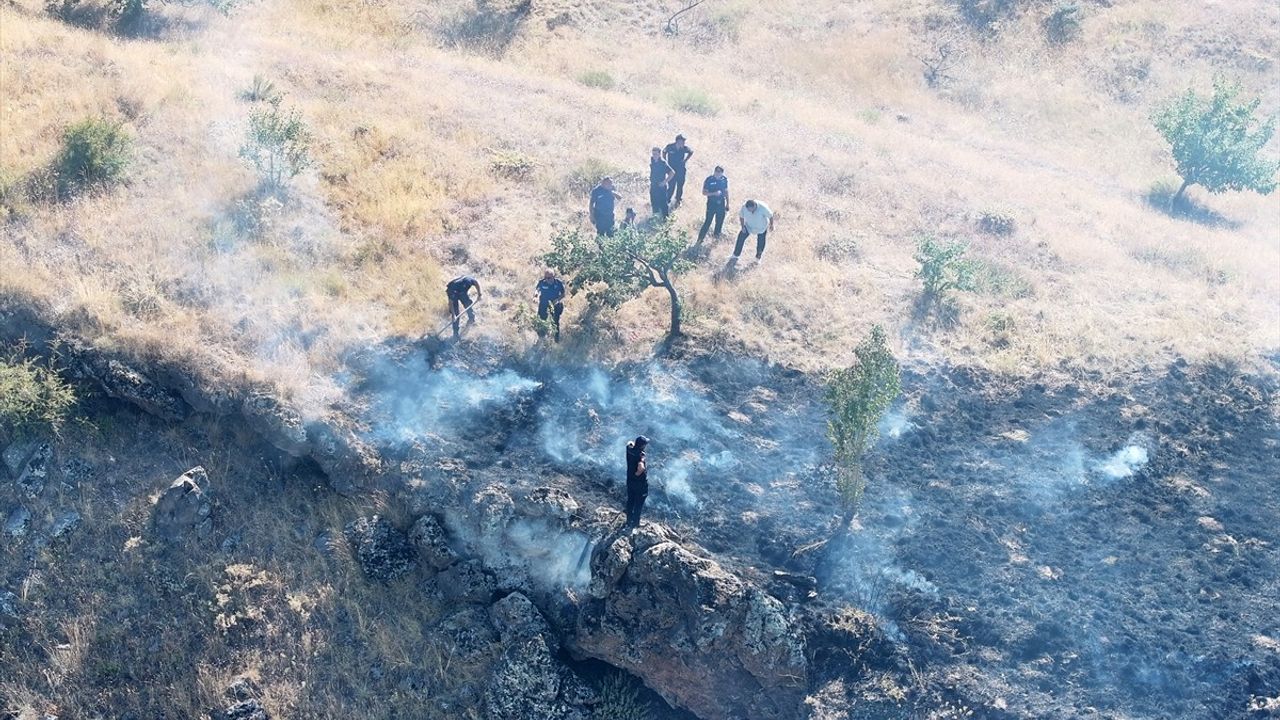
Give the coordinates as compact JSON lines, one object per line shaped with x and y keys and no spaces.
{"x":432,"y":542}
{"x":125,"y":382}
{"x":703,"y":638}
{"x":528,"y":681}
{"x":183,"y":509}
{"x":383,"y":551}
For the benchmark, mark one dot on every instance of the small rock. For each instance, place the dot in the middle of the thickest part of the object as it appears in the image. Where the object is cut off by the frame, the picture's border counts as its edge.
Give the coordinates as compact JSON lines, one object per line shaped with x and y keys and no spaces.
{"x":230,"y":543}
{"x":66,"y":521}
{"x":467,"y":581}
{"x":15,"y":456}
{"x":8,"y":605}
{"x":383,"y":551}
{"x":246,"y":710}
{"x":32,"y":477}
{"x":551,"y":503}
{"x":432,"y":542}
{"x":17,"y":523}
{"x":184,"y":508}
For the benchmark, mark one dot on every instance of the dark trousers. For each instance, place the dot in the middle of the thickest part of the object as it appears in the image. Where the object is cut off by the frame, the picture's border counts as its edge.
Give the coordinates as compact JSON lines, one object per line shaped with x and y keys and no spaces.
{"x":658,"y":199}
{"x":636,"y":494}
{"x":604,"y":225}
{"x":676,"y":190}
{"x":715,"y":211}
{"x":742,"y":237}
{"x":456,"y":305}
{"x":555,"y":310}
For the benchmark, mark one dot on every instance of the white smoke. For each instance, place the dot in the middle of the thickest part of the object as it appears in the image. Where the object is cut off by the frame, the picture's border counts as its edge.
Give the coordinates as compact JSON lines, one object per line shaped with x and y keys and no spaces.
{"x":1124,"y":462}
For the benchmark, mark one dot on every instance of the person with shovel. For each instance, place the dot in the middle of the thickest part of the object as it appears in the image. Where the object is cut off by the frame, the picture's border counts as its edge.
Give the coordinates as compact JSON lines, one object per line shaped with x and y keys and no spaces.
{"x":459,"y":293}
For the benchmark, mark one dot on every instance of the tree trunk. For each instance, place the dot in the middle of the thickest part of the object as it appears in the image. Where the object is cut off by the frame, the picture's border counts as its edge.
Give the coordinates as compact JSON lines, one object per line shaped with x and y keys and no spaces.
{"x":675,"y":305}
{"x":1173,"y":201}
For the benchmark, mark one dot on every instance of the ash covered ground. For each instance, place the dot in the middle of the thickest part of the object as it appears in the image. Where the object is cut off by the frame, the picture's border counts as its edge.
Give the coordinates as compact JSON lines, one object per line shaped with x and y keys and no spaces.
{"x":1079,"y":551}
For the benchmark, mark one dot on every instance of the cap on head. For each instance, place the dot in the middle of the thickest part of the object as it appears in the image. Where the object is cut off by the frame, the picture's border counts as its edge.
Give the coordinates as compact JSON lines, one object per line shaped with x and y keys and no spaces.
{"x":641,"y":441}
{"x":606,"y":180}
{"x":751,"y":204}
{"x":679,"y":137}
{"x":657,"y":151}
{"x":719,"y":169}
{"x":548,"y":274}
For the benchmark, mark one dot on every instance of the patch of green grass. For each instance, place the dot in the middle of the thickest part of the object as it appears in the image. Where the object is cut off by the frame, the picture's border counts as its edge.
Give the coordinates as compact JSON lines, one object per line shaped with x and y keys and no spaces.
{"x":599,"y":79}
{"x":693,"y":100}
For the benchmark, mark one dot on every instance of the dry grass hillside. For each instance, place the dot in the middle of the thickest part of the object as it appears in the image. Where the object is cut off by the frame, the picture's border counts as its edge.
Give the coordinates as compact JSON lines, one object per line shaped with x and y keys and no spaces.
{"x":452,"y":138}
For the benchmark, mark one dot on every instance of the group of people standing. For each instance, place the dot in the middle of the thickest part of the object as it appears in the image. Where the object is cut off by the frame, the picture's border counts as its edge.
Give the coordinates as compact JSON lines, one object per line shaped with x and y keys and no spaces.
{"x":668,"y":168}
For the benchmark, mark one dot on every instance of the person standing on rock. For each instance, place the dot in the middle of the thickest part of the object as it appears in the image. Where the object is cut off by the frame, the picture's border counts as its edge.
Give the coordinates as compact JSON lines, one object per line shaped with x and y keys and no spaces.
{"x":459,"y":292}
{"x":677,"y":155}
{"x":637,"y":480}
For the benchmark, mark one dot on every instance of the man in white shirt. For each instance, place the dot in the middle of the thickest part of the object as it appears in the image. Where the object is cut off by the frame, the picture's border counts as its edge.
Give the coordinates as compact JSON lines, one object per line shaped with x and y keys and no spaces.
{"x":757,"y":219}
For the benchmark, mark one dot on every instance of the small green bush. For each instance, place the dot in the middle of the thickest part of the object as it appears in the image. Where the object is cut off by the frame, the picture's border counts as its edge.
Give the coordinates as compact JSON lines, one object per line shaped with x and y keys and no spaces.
{"x":599,"y":79}
{"x":94,"y":154}
{"x":586,"y":174}
{"x":857,"y":396}
{"x":995,"y":222}
{"x":261,"y":90}
{"x":943,"y":268}
{"x":620,"y":700}
{"x":1063,"y":24}
{"x":276,"y":145}
{"x":32,"y":395}
{"x":693,"y":100}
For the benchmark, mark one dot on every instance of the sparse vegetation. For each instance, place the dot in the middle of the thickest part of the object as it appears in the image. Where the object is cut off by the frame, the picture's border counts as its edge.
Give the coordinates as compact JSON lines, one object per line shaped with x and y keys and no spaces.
{"x":857,"y":396}
{"x":599,"y":79}
{"x":512,"y":164}
{"x":616,"y":269}
{"x":1062,"y":25}
{"x":1217,"y":141}
{"x":996,"y":222}
{"x":277,"y":145}
{"x":694,"y":100}
{"x":620,"y":700}
{"x":33,"y":395}
{"x":94,"y":154}
{"x":261,"y":90}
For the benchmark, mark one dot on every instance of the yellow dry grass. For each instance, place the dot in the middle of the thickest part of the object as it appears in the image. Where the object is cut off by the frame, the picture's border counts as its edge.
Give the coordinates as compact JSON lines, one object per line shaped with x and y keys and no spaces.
{"x":820,"y":111}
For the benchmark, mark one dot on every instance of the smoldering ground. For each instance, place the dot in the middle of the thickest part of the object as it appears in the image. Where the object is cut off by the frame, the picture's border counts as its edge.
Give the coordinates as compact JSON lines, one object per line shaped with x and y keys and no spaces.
{"x":1047,"y":536}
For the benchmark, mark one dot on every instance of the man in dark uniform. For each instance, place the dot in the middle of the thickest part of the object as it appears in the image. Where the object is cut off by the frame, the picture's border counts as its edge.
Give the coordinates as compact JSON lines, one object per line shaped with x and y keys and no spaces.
{"x":637,"y":480}
{"x":459,"y":292}
{"x":601,"y":207}
{"x":677,"y":155}
{"x":716,"y":188}
{"x":550,"y":295}
{"x":660,"y":174}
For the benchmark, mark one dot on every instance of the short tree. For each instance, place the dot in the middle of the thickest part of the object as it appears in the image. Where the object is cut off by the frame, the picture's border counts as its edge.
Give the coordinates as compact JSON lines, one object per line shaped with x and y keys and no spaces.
{"x":616,"y":269}
{"x":276,"y":145}
{"x":1216,"y":141}
{"x":857,"y":396}
{"x":32,"y":396}
{"x":94,"y":154}
{"x":943,"y":268}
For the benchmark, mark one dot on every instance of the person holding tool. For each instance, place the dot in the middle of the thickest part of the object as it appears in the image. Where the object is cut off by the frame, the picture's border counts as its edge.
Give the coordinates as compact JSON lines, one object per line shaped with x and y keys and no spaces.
{"x":637,"y":480}
{"x":459,"y":293}
{"x":550,"y":301}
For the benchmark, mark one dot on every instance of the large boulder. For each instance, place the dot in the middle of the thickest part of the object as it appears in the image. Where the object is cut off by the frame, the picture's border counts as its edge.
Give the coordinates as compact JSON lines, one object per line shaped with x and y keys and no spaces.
{"x":701,"y":637}
{"x":432,"y":541}
{"x":382,"y":549}
{"x":125,"y":382}
{"x":183,"y":509}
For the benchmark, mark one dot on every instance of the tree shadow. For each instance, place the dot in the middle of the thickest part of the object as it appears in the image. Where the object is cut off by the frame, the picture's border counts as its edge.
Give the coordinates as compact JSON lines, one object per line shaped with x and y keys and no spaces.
{"x":1160,"y":197}
{"x":940,"y":312}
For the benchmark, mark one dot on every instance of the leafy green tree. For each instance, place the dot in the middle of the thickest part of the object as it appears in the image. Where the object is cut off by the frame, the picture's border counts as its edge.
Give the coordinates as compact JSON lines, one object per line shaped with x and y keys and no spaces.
{"x":94,"y":154}
{"x":32,"y":396}
{"x":616,"y":269}
{"x":276,"y":145}
{"x":1216,"y":141}
{"x":857,"y":396}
